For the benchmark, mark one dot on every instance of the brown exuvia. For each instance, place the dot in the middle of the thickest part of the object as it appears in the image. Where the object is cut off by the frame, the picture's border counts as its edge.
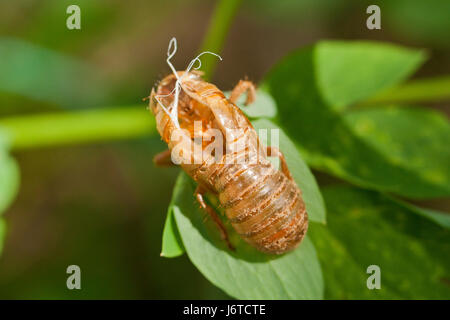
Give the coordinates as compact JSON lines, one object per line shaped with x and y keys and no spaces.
{"x":264,"y":205}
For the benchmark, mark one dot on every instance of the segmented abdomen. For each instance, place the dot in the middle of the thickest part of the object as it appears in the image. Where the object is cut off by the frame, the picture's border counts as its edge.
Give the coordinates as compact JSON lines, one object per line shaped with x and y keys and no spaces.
{"x":264,"y":206}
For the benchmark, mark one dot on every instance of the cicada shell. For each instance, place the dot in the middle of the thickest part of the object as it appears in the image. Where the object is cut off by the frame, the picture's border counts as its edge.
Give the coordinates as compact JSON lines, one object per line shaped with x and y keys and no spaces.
{"x":263,"y":204}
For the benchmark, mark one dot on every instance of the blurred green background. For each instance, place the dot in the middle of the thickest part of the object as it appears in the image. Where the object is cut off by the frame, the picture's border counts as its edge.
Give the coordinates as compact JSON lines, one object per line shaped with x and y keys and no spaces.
{"x":102,"y":206}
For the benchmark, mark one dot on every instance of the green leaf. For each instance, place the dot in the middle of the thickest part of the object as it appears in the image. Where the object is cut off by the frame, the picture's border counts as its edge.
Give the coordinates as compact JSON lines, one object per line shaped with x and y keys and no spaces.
{"x":299,"y":170}
{"x":366,"y":228}
{"x":45,"y":75}
{"x":325,"y":138}
{"x":409,"y":138}
{"x":245,"y":273}
{"x":263,"y":107}
{"x":172,"y":246}
{"x":348,"y":72}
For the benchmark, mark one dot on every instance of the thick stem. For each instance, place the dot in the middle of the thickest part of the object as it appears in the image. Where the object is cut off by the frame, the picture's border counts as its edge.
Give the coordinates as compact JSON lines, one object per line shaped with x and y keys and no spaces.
{"x":217,"y":31}
{"x":63,"y":128}
{"x":421,"y":90}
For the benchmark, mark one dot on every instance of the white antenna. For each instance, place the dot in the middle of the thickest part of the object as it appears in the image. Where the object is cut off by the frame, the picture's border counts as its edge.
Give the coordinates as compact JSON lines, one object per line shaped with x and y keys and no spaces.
{"x":171,"y":50}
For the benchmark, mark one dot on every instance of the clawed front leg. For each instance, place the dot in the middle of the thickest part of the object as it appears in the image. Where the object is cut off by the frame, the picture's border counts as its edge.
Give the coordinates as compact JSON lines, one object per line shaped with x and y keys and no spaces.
{"x":199,"y":192}
{"x":240,"y":88}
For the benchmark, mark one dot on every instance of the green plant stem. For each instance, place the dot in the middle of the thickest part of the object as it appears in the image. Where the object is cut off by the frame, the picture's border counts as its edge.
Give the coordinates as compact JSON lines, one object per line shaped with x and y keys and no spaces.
{"x":63,"y":128}
{"x":421,"y":90}
{"x":217,"y":31}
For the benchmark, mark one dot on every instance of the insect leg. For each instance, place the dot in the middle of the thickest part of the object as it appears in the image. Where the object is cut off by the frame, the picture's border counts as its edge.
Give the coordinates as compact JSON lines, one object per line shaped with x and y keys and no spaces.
{"x":199,"y":192}
{"x":163,"y":159}
{"x":240,"y":88}
{"x":275,"y":152}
